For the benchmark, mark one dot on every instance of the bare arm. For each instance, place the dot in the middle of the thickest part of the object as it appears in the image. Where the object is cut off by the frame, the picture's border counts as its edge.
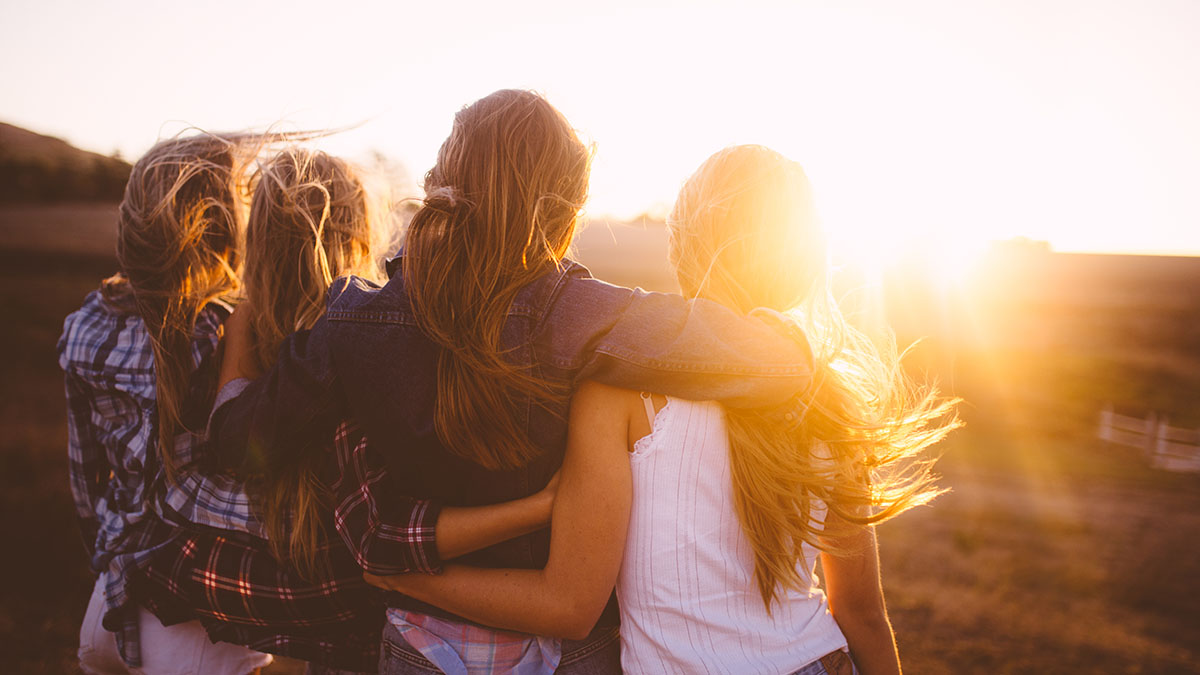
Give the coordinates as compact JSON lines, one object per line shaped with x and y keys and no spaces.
{"x":237,"y":345}
{"x":591,"y":514}
{"x":856,"y":599}
{"x":463,"y":530}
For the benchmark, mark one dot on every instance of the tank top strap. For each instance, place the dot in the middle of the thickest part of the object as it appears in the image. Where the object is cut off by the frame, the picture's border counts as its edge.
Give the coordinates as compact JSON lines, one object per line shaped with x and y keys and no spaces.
{"x":648,"y":402}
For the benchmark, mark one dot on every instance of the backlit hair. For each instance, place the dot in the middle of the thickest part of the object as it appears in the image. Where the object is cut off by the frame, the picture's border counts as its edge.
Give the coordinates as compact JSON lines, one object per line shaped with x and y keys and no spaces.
{"x":744,"y":232}
{"x":311,"y":221}
{"x":179,"y":241}
{"x":500,"y":211}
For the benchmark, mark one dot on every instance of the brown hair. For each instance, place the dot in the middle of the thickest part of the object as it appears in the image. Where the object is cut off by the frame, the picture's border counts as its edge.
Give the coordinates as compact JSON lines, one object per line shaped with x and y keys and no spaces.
{"x":744,"y":232}
{"x":310,"y":222}
{"x":179,"y":243}
{"x":501,"y":209}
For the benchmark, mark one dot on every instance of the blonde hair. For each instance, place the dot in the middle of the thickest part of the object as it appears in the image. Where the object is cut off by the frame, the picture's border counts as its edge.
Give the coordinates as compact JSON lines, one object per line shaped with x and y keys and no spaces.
{"x":501,"y":209}
{"x":179,"y":241}
{"x":744,"y":232}
{"x":311,"y":221}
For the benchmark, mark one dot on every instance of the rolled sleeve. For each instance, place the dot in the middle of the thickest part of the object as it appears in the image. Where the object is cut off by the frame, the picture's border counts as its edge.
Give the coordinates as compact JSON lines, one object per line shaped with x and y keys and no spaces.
{"x":387,"y":533}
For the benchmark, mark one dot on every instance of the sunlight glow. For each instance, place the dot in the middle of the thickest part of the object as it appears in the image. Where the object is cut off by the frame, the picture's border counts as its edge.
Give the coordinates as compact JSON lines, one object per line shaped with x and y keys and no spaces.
{"x":963,"y":122}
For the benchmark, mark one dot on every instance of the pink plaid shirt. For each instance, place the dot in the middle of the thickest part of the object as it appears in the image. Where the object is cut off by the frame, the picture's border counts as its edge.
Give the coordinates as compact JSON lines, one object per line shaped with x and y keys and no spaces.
{"x":465,"y":649}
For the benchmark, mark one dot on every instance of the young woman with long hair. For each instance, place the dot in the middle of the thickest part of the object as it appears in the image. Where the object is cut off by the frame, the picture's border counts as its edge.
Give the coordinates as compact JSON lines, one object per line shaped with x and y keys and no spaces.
{"x":139,"y":358}
{"x":300,"y":593}
{"x":311,"y":221}
{"x":460,"y":368}
{"x":709,"y":519}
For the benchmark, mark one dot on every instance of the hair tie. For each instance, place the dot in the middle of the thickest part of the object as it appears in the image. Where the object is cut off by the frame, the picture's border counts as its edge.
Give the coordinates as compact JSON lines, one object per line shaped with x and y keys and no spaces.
{"x":443,"y":198}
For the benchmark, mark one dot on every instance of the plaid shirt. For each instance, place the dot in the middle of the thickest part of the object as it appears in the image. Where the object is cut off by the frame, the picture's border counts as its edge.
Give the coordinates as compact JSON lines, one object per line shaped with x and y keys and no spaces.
{"x":115,"y":474}
{"x":457,"y":648}
{"x":244,"y":595}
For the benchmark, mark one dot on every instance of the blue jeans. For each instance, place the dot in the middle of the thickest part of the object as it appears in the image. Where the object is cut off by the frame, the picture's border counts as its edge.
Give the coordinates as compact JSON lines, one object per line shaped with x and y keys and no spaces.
{"x":598,"y":654}
{"x":833,"y":663}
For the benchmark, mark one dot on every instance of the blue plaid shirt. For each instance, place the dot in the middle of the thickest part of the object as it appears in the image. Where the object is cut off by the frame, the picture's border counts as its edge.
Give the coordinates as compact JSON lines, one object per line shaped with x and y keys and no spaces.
{"x":112,"y":426}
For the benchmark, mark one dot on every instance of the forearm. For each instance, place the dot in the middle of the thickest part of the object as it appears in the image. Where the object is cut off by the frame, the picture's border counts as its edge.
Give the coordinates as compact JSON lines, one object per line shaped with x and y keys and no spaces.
{"x":463,"y":530}
{"x":693,"y":349}
{"x":856,"y":596}
{"x":591,"y":514}
{"x":521,"y":600}
{"x":871,"y":640}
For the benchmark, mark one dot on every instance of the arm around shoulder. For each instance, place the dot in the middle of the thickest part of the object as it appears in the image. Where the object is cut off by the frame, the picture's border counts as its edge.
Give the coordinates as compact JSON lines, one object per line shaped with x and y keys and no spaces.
{"x":591,"y":514}
{"x":288,"y":406}
{"x":693,"y":349}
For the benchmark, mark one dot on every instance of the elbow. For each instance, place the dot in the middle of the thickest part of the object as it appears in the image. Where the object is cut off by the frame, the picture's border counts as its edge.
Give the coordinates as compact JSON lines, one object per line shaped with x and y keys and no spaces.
{"x":864,"y":617}
{"x":577,"y":619}
{"x":576,"y":630}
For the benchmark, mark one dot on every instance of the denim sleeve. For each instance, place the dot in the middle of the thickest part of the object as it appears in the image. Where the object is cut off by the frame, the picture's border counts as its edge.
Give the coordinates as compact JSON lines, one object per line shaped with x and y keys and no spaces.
{"x":693,"y":349}
{"x":286,"y":408}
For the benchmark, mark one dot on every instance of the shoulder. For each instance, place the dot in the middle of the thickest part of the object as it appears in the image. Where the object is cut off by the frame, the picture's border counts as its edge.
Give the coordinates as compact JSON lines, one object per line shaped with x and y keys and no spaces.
{"x":101,"y":337}
{"x":594,"y":398}
{"x":357,"y":299}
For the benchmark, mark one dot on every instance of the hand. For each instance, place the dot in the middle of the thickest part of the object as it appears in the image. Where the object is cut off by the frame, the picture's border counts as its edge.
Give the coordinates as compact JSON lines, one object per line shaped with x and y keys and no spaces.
{"x":403,"y":583}
{"x":379,"y":582}
{"x":551,"y":489}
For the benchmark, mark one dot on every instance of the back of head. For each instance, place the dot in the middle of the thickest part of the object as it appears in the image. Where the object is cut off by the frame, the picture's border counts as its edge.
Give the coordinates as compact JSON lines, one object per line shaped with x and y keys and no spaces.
{"x":310,"y":222}
{"x":501,"y":210}
{"x":179,"y":240}
{"x":744,"y":233}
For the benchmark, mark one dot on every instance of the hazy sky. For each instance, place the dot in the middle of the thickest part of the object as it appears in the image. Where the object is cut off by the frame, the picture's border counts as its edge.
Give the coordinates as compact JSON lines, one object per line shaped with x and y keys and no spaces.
{"x":942,"y":122}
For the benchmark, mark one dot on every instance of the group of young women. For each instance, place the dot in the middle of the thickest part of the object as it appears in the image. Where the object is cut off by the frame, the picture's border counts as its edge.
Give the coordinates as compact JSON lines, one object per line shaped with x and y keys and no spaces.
{"x":448,"y":464}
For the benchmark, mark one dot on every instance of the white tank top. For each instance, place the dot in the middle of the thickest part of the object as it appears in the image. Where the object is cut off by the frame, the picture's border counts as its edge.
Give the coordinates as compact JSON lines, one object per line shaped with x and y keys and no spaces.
{"x":689,"y":602}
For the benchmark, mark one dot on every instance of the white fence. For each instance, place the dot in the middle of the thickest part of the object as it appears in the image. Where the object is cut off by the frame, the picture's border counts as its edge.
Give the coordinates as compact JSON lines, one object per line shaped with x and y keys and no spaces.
{"x":1166,"y":447}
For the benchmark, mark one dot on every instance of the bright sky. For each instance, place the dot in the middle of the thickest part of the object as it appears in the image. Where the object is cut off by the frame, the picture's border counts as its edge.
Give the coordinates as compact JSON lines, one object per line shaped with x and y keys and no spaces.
{"x":939,"y":122}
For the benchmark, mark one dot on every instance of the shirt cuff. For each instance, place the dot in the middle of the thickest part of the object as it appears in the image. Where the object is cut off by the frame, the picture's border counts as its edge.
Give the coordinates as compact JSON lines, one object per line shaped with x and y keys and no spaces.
{"x":230,"y":391}
{"x":428,"y":549}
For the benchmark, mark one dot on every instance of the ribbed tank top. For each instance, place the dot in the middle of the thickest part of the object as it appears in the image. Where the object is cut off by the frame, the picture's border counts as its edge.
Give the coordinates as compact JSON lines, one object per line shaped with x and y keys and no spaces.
{"x":689,"y":602}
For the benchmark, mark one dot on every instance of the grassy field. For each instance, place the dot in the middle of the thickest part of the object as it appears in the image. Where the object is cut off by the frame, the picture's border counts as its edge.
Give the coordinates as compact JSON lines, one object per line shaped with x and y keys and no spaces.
{"x":1053,"y":553}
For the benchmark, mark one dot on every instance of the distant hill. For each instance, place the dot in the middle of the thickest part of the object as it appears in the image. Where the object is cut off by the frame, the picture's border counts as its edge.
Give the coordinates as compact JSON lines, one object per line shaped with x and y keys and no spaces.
{"x":37,"y":169}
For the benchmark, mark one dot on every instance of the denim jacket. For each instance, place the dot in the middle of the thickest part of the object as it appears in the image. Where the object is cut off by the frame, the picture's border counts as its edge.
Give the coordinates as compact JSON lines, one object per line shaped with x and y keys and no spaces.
{"x":368,"y":359}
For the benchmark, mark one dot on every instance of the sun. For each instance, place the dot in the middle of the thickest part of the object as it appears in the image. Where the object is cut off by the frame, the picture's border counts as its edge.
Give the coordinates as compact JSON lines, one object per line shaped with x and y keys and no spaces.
{"x":945,"y":257}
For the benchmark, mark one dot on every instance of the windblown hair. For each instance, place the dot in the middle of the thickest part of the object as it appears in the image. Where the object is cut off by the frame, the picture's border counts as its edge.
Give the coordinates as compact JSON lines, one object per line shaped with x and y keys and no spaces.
{"x":179,"y":241}
{"x":744,"y":233}
{"x":311,"y":221}
{"x":500,"y":211}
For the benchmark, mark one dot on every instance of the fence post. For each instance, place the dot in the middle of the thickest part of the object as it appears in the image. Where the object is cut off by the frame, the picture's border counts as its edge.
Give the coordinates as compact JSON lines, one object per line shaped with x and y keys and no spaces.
{"x":1105,"y":430}
{"x":1151,"y":431}
{"x":1161,"y":446}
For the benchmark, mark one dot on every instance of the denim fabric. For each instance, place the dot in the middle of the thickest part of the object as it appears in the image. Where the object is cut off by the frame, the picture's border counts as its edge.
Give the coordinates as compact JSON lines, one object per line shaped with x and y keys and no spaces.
{"x":358,"y":359}
{"x":833,"y":663}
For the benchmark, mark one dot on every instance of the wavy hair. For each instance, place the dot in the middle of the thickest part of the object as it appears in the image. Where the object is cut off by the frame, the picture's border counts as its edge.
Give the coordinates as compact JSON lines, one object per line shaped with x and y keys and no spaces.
{"x":744,"y":232}
{"x":500,"y":211}
{"x":180,"y":233}
{"x":311,"y":221}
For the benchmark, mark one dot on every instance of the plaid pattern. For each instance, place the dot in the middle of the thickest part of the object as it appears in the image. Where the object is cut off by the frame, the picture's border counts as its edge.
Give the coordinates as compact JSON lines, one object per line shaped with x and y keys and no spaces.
{"x":460,"y":648}
{"x":244,"y":595}
{"x":386,"y":532}
{"x":107,"y":359}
